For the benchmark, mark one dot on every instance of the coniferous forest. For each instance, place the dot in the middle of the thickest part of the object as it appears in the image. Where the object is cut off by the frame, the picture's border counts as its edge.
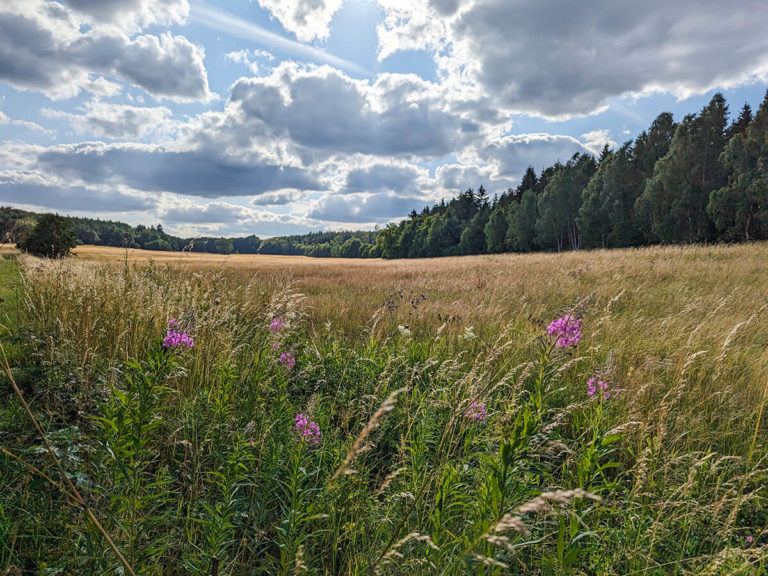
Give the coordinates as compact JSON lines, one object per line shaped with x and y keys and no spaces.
{"x":702,"y":180}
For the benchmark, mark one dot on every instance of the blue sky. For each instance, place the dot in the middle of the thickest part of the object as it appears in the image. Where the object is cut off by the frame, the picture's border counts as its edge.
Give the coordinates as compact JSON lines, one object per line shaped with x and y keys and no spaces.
{"x":282,"y":116}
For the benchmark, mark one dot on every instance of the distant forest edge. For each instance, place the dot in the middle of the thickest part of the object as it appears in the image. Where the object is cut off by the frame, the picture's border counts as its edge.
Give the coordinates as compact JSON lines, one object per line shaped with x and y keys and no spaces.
{"x":16,"y":224}
{"x":704,"y":179}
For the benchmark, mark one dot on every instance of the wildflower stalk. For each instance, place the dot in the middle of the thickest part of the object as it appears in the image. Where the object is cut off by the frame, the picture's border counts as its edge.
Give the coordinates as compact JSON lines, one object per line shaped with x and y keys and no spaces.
{"x":759,"y":421}
{"x":73,"y":492}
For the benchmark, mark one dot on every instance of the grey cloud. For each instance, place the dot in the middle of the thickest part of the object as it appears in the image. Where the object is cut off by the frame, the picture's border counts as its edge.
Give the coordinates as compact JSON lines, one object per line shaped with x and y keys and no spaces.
{"x":515,"y":153}
{"x":445,"y":7}
{"x":355,"y":208}
{"x":46,"y":51}
{"x":114,"y":120}
{"x":210,"y":213}
{"x":154,"y":169}
{"x":559,"y":57}
{"x":34,"y":189}
{"x":381,"y":177}
{"x":133,"y":13}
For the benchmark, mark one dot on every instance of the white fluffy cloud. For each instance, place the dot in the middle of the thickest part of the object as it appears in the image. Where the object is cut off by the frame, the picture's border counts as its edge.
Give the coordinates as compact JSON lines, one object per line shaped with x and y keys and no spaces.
{"x":322,"y":110}
{"x":107,"y":120}
{"x":132,"y":15}
{"x":43,"y":47}
{"x":307,"y":19}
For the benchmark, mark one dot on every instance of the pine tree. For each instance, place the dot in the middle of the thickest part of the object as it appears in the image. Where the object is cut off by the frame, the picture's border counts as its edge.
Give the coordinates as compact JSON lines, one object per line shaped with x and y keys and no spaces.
{"x":496,"y":230}
{"x":560,"y":201}
{"x":740,"y":208}
{"x":676,"y":197}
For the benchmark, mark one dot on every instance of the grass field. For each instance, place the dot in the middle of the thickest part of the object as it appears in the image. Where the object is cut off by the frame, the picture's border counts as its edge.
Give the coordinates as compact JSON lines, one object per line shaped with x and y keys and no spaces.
{"x":453,"y":434}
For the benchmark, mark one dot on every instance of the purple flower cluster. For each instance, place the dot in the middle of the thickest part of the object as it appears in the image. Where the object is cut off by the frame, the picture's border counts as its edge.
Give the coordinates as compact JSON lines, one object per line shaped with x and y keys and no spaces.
{"x":567,"y":330}
{"x":276,"y":325}
{"x":307,"y":430}
{"x":287,"y":360}
{"x":175,"y":337}
{"x":476,"y":411}
{"x":594,"y":386}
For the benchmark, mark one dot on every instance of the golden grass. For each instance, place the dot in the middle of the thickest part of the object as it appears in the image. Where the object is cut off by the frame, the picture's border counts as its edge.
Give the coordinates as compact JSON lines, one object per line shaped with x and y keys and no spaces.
{"x":678,"y":329}
{"x":690,"y":313}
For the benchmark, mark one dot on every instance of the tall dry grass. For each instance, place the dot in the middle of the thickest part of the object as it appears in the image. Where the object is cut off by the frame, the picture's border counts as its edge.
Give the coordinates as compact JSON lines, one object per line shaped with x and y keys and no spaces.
{"x":678,"y":459}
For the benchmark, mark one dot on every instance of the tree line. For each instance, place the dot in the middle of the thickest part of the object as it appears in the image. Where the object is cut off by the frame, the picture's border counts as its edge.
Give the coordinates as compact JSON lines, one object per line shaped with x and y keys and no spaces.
{"x":17,"y":226}
{"x":702,"y":180}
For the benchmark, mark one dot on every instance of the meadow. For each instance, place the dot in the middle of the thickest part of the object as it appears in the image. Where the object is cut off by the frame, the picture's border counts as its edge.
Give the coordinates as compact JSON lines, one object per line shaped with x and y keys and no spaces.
{"x":243,"y":415}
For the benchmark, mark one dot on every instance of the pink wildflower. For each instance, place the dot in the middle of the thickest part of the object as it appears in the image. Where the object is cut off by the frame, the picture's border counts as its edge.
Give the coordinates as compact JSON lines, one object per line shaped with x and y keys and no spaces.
{"x":287,"y":360}
{"x":175,"y":337}
{"x":750,"y":539}
{"x":476,"y":411}
{"x":307,"y":430}
{"x":275,"y":346}
{"x":567,"y":331}
{"x":594,"y":385}
{"x":276,"y":325}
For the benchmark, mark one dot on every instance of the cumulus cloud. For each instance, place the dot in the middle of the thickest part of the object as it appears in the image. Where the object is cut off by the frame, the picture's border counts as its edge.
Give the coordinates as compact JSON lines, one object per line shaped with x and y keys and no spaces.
{"x":595,"y":140}
{"x":217,"y":218}
{"x":307,"y":19}
{"x":513,"y":154}
{"x":34,"y":189}
{"x":43,"y":48}
{"x":155,"y":169}
{"x":250,"y":58}
{"x":321,"y":108}
{"x":133,"y":15}
{"x":559,"y":58}
{"x":365,"y":208}
{"x":382,"y":177}
{"x":108,"y":120}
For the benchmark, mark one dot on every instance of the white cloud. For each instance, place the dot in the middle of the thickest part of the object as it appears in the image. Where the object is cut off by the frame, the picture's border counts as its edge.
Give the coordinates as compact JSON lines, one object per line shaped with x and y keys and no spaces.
{"x":133,"y":15}
{"x":595,"y":140}
{"x":558,"y":58}
{"x":324,"y":112}
{"x":36,"y":189}
{"x":43,"y":47}
{"x":107,"y":120}
{"x":307,"y":19}
{"x":250,"y":58}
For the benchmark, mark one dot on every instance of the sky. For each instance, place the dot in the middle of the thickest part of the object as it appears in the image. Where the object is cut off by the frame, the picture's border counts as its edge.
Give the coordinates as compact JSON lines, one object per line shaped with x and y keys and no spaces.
{"x":275,"y":117}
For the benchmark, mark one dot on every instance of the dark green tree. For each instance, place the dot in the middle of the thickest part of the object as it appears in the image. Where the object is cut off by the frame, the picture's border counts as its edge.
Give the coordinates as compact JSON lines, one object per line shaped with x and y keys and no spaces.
{"x":675,"y":199}
{"x":740,"y":208}
{"x":496,"y":230}
{"x":521,"y":223}
{"x":52,"y":237}
{"x":560,"y":201}
{"x":473,"y":235}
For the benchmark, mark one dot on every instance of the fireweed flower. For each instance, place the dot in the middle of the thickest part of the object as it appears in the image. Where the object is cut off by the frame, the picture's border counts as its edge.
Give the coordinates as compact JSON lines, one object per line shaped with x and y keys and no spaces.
{"x":567,"y":331}
{"x":175,"y":337}
{"x":307,"y":430}
{"x":476,"y":411}
{"x":287,"y":360}
{"x":276,"y":325}
{"x":594,"y":386}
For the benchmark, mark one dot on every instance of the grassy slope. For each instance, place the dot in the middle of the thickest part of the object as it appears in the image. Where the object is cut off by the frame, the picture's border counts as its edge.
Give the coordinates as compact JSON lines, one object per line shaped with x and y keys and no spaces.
{"x":677,"y":458}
